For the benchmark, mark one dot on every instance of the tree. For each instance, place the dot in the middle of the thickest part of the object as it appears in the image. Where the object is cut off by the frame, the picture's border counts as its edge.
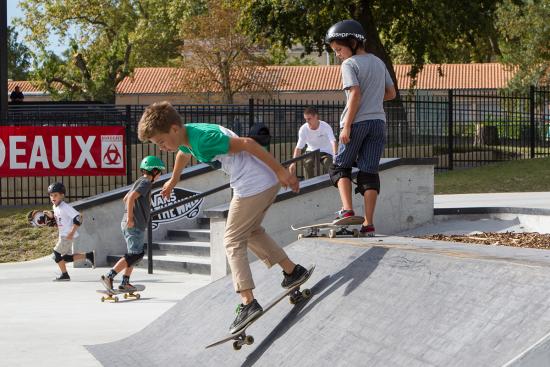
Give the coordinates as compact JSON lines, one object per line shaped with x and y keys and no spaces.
{"x":429,"y":31}
{"x":218,"y":56}
{"x":19,"y":57}
{"x":526,"y":40}
{"x":106,"y":40}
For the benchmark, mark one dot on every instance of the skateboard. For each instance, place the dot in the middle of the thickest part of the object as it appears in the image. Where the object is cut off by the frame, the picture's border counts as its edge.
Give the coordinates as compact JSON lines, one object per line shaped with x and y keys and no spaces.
{"x":338,"y":227}
{"x":112,"y":294}
{"x":295,"y":296}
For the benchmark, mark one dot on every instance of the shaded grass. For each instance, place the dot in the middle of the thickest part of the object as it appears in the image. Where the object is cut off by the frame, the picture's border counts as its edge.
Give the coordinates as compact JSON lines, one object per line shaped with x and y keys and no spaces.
{"x":19,"y":241}
{"x":511,"y":176}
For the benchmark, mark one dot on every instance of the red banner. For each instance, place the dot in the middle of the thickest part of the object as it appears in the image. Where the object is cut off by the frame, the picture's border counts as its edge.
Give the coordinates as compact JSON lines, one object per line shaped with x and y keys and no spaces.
{"x":62,"y":151}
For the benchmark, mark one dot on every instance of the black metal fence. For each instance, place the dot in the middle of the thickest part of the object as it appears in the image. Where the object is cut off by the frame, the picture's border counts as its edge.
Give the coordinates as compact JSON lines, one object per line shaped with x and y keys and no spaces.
{"x":461,"y":128}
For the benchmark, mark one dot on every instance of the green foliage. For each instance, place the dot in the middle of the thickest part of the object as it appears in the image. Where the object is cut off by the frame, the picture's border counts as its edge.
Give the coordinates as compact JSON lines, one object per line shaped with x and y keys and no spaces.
{"x":106,"y":40}
{"x":418,"y":31}
{"x":525,"y":29}
{"x":19,"y":57}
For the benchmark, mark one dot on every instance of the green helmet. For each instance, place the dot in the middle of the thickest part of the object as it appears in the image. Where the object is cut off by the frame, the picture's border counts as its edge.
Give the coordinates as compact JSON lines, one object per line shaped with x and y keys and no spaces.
{"x":151,"y":162}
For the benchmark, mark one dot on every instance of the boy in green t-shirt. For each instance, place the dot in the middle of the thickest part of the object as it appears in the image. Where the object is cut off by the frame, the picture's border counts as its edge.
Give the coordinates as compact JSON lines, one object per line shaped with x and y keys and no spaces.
{"x":255,"y":177}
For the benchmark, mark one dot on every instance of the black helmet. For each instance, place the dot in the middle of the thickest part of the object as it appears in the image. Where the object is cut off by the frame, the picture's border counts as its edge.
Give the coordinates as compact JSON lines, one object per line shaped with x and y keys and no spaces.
{"x":56,"y":187}
{"x":345,"y":29}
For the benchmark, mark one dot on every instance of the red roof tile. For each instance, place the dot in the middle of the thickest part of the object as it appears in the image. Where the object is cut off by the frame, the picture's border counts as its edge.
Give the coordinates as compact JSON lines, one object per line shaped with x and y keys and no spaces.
{"x":25,"y":86}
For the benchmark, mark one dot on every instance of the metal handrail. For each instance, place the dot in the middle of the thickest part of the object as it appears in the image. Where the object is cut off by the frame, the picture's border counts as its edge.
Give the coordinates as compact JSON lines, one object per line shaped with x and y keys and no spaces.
{"x":316,"y":153}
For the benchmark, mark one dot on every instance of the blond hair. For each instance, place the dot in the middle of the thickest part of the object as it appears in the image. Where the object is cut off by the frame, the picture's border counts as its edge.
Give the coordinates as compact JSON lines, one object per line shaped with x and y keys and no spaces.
{"x":157,"y":119}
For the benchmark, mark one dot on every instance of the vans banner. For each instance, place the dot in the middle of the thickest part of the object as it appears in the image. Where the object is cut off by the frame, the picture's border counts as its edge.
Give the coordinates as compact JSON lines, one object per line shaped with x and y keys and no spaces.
{"x":62,"y":151}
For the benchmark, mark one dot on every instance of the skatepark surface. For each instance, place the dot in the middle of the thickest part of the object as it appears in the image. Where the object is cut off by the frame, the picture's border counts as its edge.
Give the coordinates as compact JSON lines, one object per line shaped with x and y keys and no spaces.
{"x":384,"y":301}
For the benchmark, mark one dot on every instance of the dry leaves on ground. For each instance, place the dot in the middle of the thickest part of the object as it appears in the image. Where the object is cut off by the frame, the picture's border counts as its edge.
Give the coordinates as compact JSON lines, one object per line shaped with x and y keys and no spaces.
{"x":526,"y":239}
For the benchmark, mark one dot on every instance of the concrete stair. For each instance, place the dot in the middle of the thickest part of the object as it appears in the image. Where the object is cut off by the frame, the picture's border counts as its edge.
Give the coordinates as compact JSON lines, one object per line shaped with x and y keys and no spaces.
{"x":185,"y":250}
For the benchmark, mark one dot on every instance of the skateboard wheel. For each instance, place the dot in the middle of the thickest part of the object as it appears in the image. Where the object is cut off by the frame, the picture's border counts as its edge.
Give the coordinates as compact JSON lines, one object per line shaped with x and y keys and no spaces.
{"x":306,"y":293}
{"x":292,"y":300}
{"x":249,"y":339}
{"x":102,"y":299}
{"x":116,"y":299}
{"x":138,"y":296}
{"x":236,"y":345}
{"x":332,"y":233}
{"x":355,"y":233}
{"x":125,"y":296}
{"x":300,"y":236}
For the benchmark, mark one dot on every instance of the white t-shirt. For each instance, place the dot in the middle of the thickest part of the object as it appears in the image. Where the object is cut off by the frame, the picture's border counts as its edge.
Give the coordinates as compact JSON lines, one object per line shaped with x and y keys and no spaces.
{"x":64,"y":215}
{"x":320,"y":138}
{"x":248,"y":175}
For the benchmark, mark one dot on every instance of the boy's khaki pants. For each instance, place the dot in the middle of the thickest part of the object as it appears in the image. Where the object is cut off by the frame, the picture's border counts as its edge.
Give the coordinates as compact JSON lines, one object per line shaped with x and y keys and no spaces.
{"x":244,"y":230}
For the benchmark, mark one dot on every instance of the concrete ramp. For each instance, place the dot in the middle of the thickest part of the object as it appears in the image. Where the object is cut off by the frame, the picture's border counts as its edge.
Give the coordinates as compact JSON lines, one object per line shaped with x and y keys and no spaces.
{"x":377,"y":302}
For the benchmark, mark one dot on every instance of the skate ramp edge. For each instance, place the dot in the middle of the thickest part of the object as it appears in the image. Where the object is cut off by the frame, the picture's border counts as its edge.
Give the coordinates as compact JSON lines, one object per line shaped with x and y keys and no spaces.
{"x":385,"y":301}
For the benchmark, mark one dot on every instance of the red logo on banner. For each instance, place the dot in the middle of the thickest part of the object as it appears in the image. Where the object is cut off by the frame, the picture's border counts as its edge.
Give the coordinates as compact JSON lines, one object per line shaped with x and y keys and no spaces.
{"x":62,"y":151}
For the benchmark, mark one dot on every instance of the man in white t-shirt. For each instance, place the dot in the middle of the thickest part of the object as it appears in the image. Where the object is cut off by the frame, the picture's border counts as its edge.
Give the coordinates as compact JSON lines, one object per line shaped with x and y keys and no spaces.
{"x":316,"y":134}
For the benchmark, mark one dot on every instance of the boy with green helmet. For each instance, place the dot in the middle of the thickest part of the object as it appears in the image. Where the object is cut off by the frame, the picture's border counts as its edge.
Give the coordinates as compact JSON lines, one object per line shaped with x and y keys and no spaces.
{"x":137,"y":204}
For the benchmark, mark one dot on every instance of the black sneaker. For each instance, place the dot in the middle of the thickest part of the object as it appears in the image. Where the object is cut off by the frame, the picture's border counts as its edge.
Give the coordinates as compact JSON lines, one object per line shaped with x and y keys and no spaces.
{"x":299,"y":275}
{"x":245,"y":314}
{"x":91,"y":258}
{"x":63,"y":278}
{"x":107,"y":282}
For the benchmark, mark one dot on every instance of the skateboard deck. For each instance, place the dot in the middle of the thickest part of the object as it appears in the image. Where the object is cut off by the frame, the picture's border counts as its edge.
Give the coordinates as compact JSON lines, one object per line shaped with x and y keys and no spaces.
{"x":338,"y":227}
{"x":295,"y":296}
{"x":111,"y":295}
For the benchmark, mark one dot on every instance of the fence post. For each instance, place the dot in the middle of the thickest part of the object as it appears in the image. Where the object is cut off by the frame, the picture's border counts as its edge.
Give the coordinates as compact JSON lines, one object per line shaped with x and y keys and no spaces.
{"x":128,"y":145}
{"x":150,"y":246}
{"x":250,"y":112}
{"x":532,"y":120}
{"x":450,"y":129}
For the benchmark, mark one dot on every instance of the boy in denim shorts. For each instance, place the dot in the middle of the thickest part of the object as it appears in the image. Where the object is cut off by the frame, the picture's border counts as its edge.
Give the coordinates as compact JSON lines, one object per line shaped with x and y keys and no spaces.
{"x":367,"y":85}
{"x":68,"y":220}
{"x":137,"y":203}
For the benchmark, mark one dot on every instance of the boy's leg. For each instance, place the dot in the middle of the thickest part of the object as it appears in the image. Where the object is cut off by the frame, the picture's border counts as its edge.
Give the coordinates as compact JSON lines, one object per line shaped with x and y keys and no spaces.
{"x":326,"y":162}
{"x":61,"y":257}
{"x":309,"y":165}
{"x":368,"y":181}
{"x":340,"y":171}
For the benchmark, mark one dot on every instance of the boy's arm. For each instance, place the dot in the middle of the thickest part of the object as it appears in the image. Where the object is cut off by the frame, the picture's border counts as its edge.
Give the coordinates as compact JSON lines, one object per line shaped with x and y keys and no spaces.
{"x":237,"y":145}
{"x":77,"y":221}
{"x":353,"y":106}
{"x":181,"y":161}
{"x":130,"y":203}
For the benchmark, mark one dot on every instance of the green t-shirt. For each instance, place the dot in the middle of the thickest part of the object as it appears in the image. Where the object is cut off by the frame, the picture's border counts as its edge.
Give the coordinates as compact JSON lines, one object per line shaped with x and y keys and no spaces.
{"x":206,"y":141}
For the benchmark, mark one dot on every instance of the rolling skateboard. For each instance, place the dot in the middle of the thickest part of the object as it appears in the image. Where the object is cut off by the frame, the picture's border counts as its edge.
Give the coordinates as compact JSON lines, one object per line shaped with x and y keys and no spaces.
{"x":111,"y":295}
{"x":339,"y":227}
{"x":295,"y":296}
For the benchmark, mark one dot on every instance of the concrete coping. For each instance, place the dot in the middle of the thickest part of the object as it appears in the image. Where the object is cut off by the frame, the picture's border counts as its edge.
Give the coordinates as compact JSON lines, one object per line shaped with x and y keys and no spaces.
{"x":319,"y":182}
{"x":492,"y":210}
{"x":116,"y":194}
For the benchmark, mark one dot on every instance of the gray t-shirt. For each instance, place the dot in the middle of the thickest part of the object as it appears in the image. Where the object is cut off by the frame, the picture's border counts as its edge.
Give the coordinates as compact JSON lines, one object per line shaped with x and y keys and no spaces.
{"x":371,"y":75}
{"x":142,"y":207}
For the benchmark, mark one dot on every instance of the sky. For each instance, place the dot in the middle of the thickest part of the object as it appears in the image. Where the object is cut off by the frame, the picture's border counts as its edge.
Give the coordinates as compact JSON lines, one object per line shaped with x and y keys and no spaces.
{"x":15,"y":12}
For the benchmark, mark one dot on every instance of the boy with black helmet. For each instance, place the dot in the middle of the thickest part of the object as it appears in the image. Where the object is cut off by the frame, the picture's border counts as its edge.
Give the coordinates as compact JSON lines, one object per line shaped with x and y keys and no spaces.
{"x":68,"y":220}
{"x":137,"y":205}
{"x":367,"y":85}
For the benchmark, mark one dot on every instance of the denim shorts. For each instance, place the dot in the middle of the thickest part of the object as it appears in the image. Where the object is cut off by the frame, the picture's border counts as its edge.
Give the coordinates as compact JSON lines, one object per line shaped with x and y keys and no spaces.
{"x":365,"y":148}
{"x":134,"y":238}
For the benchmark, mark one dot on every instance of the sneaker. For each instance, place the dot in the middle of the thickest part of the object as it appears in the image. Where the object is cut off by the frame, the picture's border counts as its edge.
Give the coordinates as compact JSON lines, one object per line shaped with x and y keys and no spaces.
{"x":367,"y":231}
{"x":63,"y":278}
{"x":91,"y":258}
{"x":107,"y":282}
{"x":126,"y":287}
{"x":245,"y":314}
{"x":298,"y":276}
{"x":341,"y":214}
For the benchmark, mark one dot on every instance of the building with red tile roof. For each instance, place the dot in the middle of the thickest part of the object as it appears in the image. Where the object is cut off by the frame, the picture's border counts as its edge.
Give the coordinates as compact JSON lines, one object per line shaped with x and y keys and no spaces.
{"x":322,"y":82}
